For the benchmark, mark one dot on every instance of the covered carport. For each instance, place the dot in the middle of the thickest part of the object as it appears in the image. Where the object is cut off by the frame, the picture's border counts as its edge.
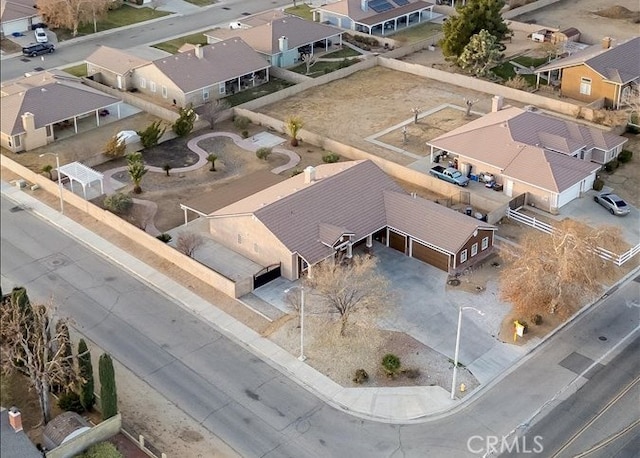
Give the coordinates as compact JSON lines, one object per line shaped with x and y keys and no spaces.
{"x":86,"y":176}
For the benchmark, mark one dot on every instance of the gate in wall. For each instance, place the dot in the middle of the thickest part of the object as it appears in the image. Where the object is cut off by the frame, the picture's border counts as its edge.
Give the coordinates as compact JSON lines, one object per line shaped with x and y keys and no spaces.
{"x":266,"y":275}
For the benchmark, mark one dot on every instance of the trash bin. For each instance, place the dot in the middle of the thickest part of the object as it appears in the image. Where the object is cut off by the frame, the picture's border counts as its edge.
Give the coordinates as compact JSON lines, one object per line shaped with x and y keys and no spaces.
{"x":469,"y":211}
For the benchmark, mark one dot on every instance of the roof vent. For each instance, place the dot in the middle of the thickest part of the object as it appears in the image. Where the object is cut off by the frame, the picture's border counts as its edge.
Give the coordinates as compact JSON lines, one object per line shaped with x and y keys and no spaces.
{"x":309,"y":175}
{"x":531,"y":108}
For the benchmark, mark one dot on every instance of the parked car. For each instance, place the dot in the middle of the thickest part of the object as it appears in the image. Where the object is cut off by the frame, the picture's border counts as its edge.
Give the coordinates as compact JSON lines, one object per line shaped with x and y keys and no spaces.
{"x":41,"y":35}
{"x":37,"y":49}
{"x":449,"y":174}
{"x":127,"y":136}
{"x":615,"y":204}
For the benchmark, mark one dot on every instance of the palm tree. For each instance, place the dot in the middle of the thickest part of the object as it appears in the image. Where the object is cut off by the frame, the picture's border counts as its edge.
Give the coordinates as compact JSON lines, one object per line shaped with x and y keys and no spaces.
{"x":136,"y":170}
{"x":166,"y":168}
{"x":47,"y":169}
{"x":293,"y":124}
{"x":212,"y":158}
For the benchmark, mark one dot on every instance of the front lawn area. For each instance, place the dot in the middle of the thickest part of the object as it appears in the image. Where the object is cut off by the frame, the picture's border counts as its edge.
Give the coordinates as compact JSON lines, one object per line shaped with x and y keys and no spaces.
{"x":77,"y":70}
{"x":506,"y":70}
{"x":125,"y":15}
{"x":303,"y":11}
{"x":274,"y":85}
{"x":322,"y":67}
{"x":344,"y":52}
{"x":417,"y":33}
{"x":172,"y":46}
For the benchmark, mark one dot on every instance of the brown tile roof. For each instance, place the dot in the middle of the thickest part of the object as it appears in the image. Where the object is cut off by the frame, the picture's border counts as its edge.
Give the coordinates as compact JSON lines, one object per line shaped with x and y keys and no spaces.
{"x":13,"y":10}
{"x":220,"y":62}
{"x":514,"y":140}
{"x":264,"y":38}
{"x":53,"y":100}
{"x":430,"y":222}
{"x":115,"y":60}
{"x":619,"y":63}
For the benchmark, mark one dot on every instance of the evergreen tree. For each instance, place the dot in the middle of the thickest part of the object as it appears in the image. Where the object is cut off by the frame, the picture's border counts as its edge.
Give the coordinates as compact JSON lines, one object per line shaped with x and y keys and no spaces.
{"x":184,"y":124}
{"x":108,"y":394}
{"x":87,"y":396}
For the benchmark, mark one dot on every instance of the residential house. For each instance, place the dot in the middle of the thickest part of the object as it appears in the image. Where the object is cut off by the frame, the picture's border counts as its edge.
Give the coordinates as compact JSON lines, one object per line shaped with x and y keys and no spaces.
{"x":280,"y":38}
{"x":17,"y":16}
{"x":37,"y":108}
{"x":608,"y":74}
{"x":374,"y":17}
{"x":192,"y":77}
{"x":328,"y":210}
{"x":551,"y":159}
{"x":113,"y":67}
{"x":13,"y":440}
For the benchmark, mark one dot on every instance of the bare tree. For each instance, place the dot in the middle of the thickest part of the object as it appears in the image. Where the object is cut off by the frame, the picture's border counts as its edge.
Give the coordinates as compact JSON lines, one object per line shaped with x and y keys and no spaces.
{"x":550,"y":274}
{"x":189,"y":242}
{"x":469,"y":103}
{"x":416,"y":111}
{"x":309,"y":60}
{"x":34,"y":345}
{"x":70,"y":14}
{"x":350,"y":287}
{"x":212,"y":111}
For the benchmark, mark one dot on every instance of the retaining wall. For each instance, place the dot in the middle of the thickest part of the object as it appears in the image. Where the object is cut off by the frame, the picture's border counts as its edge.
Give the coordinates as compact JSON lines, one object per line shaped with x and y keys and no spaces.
{"x":98,"y":433}
{"x":528,"y":8}
{"x":189,"y":265}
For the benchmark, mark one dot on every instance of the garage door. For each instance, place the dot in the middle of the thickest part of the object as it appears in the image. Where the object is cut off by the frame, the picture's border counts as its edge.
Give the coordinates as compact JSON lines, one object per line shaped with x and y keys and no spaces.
{"x":433,"y":257}
{"x":398,"y":242}
{"x":568,"y":195}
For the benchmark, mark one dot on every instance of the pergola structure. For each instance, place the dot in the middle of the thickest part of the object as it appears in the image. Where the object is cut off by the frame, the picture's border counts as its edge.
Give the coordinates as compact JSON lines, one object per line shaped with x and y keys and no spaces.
{"x":84,"y":175}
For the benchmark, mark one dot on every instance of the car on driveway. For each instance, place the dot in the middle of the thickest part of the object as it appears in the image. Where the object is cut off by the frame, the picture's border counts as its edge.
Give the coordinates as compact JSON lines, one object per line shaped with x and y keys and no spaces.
{"x":41,"y":35}
{"x":37,"y":49}
{"x":614,"y":203}
{"x":127,"y":137}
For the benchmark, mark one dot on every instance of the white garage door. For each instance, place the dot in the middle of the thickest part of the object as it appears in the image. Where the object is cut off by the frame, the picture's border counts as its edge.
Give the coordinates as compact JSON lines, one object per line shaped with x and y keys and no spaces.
{"x":568,"y":195}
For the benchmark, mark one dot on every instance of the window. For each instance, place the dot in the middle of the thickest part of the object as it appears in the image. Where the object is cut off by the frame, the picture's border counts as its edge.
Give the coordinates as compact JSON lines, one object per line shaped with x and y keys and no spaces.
{"x":485,"y":243}
{"x":585,"y":86}
{"x":48,"y":129}
{"x":143,"y":83}
{"x":164,"y":91}
{"x":152,"y":86}
{"x":205,"y":94}
{"x":221,"y":88}
{"x":474,"y":249}
{"x":463,"y":256}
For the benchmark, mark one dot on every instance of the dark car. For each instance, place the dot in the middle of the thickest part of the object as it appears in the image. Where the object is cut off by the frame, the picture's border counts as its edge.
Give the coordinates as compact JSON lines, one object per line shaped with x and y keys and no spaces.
{"x":37,"y":49}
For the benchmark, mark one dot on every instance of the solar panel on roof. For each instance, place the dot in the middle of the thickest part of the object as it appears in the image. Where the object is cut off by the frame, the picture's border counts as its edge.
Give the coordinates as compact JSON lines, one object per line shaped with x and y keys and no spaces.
{"x":380,"y":6}
{"x":401,"y":2}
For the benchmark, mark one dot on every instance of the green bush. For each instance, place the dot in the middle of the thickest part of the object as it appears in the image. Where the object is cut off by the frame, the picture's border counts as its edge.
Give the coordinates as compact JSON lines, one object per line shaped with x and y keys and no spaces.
{"x":102,"y":450}
{"x":85,"y":369}
{"x":184,"y":124}
{"x":330,"y":158}
{"x":536,"y":319}
{"x":361,"y":376}
{"x":390,"y":364}
{"x":118,"y":202}
{"x":70,"y":402}
{"x":625,"y":156}
{"x":108,"y":393}
{"x":245,"y":134}
{"x":598,"y":184}
{"x":166,"y":238}
{"x":241,"y":122}
{"x":263,"y":153}
{"x":295,"y":172}
{"x":611,"y":165}
{"x":151,"y":135}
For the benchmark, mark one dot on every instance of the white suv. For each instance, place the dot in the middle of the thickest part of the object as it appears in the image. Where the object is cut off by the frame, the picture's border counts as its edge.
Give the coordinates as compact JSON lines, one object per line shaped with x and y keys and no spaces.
{"x":41,"y":35}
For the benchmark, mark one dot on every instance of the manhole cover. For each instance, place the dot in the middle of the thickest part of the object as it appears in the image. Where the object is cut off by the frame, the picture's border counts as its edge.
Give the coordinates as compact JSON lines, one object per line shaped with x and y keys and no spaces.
{"x":603,"y":338}
{"x":55,"y":261}
{"x":246,"y":14}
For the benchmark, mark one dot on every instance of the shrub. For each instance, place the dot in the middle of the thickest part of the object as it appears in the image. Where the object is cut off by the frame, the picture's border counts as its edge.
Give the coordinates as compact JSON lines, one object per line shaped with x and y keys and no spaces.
{"x":115,"y":148}
{"x":184,"y":124}
{"x":611,"y":165}
{"x":151,"y":135}
{"x":536,"y":319}
{"x":263,"y":153}
{"x":118,"y":202}
{"x":245,"y":134}
{"x":167,"y":168}
{"x":70,"y":402}
{"x":295,"y":172}
{"x":598,"y":184}
{"x":102,"y":450}
{"x":625,"y":156}
{"x":330,"y":158}
{"x":631,"y":129}
{"x":108,"y":393}
{"x":361,"y":376}
{"x":166,"y":238}
{"x":85,"y":369}
{"x":390,"y":364}
{"x":241,"y":122}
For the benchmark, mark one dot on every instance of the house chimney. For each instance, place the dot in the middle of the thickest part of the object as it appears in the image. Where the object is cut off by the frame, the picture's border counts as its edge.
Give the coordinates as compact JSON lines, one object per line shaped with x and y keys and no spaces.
{"x":198,"y":51}
{"x":15,"y":420}
{"x":28,"y":122}
{"x":283,"y":44}
{"x":364,"y":5}
{"x":309,"y":175}
{"x":606,"y":42}
{"x":497,"y":101}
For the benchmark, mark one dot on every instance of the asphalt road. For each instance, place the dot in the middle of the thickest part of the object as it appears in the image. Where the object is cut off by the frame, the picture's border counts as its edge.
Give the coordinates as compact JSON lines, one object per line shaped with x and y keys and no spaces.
{"x":171,"y":26}
{"x":599,"y":420}
{"x":249,"y":404}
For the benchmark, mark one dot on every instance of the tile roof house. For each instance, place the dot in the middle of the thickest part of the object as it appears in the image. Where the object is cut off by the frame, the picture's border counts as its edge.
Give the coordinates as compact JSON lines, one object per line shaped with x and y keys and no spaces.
{"x":327,"y":210}
{"x":13,"y":440}
{"x":17,"y":16}
{"x":553,"y":160}
{"x":113,"y":67}
{"x":374,"y":17}
{"x":281,"y":38}
{"x":607,"y":72}
{"x":192,"y":77}
{"x":34,"y":109}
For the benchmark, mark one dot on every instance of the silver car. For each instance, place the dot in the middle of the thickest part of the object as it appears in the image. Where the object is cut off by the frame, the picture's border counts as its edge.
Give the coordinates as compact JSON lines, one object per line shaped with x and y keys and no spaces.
{"x":613,"y":203}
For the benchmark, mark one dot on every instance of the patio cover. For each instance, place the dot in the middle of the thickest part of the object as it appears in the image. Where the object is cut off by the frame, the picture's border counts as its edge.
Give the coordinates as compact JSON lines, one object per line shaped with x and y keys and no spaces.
{"x":83,"y":175}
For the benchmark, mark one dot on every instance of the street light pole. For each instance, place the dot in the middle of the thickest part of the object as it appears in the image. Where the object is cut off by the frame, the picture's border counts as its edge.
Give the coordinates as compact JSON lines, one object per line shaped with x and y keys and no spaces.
{"x":457,"y":351}
{"x":59,"y":179}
